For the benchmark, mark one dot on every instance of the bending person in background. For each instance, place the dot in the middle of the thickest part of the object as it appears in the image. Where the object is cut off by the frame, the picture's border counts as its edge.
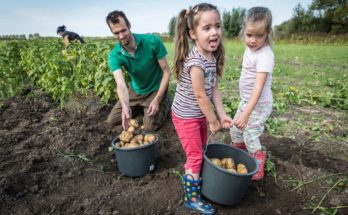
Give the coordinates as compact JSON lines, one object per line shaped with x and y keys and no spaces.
{"x":143,"y":56}
{"x":68,"y":36}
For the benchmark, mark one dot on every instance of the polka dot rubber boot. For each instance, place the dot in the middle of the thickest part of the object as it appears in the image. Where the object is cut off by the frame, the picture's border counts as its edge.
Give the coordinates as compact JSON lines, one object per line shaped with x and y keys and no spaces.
{"x":193,"y":200}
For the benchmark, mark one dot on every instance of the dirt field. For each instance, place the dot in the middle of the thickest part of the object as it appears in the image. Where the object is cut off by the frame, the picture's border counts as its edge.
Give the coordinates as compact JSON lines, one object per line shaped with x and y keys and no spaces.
{"x":57,"y":162}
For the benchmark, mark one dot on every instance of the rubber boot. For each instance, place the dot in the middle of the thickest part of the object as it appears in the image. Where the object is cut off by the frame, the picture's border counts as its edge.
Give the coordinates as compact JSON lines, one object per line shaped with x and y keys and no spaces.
{"x":192,"y":192}
{"x":260,"y":157}
{"x":240,"y":146}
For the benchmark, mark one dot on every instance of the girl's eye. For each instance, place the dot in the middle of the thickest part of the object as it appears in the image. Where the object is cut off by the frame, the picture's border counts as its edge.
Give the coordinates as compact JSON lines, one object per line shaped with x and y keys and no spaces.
{"x":260,"y":35}
{"x":248,"y":35}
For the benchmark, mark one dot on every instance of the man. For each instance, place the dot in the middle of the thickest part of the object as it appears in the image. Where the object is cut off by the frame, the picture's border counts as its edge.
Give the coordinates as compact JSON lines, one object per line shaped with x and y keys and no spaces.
{"x":143,"y":56}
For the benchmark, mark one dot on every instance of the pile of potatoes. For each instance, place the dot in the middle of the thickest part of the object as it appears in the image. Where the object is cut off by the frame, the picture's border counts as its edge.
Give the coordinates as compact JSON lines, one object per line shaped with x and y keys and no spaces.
{"x":230,"y":165}
{"x":132,"y":138}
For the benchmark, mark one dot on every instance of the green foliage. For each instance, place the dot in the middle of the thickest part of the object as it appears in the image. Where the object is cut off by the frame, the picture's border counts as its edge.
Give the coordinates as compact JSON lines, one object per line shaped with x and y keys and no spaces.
{"x":329,"y":16}
{"x":334,"y":12}
{"x":58,"y":71}
{"x":171,"y":26}
{"x":11,"y":73}
{"x":303,"y":76}
{"x":270,"y":167}
{"x":232,"y":21}
{"x":338,"y":96}
{"x":274,"y":126}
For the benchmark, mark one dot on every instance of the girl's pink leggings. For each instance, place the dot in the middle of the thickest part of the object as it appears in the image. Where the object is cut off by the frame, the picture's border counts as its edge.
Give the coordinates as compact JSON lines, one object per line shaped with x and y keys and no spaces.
{"x":193,"y":135}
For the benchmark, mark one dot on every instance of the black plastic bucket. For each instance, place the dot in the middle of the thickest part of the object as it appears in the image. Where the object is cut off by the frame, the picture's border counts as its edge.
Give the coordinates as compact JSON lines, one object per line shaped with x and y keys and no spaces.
{"x":220,"y":185}
{"x":137,"y":161}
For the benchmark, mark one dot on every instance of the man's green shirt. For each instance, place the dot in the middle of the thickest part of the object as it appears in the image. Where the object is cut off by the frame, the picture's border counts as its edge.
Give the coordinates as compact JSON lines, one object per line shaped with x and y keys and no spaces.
{"x":143,"y":68}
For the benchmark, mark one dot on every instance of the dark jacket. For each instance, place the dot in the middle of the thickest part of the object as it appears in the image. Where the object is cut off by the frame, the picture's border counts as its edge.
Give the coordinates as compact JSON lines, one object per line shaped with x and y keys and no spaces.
{"x":72,"y":36}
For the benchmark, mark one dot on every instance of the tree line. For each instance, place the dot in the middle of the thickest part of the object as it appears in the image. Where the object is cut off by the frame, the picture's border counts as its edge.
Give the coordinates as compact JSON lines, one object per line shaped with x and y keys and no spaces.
{"x":324,"y":16}
{"x":19,"y":36}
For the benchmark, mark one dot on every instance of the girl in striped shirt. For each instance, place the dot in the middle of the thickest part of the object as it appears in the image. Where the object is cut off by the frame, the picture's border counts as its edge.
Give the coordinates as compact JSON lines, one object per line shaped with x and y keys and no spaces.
{"x":197,"y":93}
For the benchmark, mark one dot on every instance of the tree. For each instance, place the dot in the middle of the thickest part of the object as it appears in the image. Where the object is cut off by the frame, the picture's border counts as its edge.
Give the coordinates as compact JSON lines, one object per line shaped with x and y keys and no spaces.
{"x":36,"y":35}
{"x":171,"y":26}
{"x":226,"y":20}
{"x":329,"y":16}
{"x":334,"y":12}
{"x":232,"y":21}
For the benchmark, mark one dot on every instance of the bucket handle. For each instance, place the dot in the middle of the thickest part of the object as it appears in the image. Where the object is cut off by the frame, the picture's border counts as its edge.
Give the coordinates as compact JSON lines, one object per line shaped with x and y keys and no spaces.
{"x":114,"y":141}
{"x":211,"y":134}
{"x":209,"y":138}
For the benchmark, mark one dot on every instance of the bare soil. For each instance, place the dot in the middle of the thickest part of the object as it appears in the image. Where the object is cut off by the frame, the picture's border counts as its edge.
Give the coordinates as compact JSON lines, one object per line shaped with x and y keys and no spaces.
{"x":57,"y":162}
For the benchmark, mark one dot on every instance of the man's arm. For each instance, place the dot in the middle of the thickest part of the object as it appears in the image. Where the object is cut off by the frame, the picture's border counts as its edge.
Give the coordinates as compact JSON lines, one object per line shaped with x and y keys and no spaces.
{"x":123,"y":96}
{"x":153,"y":108}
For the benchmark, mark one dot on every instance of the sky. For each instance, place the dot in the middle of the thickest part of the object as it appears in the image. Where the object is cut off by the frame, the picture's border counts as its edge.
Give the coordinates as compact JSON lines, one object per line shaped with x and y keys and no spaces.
{"x":87,"y":17}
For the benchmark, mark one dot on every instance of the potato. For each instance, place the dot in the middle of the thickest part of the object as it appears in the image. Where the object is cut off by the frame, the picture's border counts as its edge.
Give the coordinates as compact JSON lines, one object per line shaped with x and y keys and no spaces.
{"x":131,"y":129}
{"x":241,"y":168}
{"x":216,"y":161}
{"x":139,"y":138}
{"x":223,"y":162}
{"x":145,"y":142}
{"x":142,"y":127}
{"x":133,"y":141}
{"x":149,"y":138}
{"x":121,"y":144}
{"x":133,"y":145}
{"x":228,"y":163}
{"x":125,"y":136}
{"x":134,"y":123}
{"x":232,"y":170}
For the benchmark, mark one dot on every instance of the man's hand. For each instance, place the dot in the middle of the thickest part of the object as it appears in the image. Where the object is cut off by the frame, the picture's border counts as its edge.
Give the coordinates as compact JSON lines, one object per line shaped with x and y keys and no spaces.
{"x":153,"y":107}
{"x":126,"y":116}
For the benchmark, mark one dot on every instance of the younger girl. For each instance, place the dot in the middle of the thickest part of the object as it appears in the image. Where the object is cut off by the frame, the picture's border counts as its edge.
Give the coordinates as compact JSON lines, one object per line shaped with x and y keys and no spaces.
{"x":255,"y":85}
{"x":197,"y":92}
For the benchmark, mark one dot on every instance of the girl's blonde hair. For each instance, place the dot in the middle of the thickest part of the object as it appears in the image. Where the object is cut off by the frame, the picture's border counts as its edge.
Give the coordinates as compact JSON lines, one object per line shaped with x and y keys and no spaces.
{"x":256,"y":14}
{"x":188,"y":20}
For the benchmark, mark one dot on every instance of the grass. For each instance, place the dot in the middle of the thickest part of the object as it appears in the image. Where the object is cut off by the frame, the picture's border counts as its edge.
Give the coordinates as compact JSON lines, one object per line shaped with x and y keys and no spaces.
{"x":305,"y":76}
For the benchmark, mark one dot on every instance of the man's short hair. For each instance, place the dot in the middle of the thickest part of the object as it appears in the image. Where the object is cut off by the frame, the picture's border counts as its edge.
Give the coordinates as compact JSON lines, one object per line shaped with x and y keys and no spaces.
{"x":113,"y":17}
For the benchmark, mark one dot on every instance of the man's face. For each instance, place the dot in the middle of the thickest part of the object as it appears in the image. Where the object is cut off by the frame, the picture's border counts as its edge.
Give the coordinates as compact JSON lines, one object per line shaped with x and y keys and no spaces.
{"x":121,"y":32}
